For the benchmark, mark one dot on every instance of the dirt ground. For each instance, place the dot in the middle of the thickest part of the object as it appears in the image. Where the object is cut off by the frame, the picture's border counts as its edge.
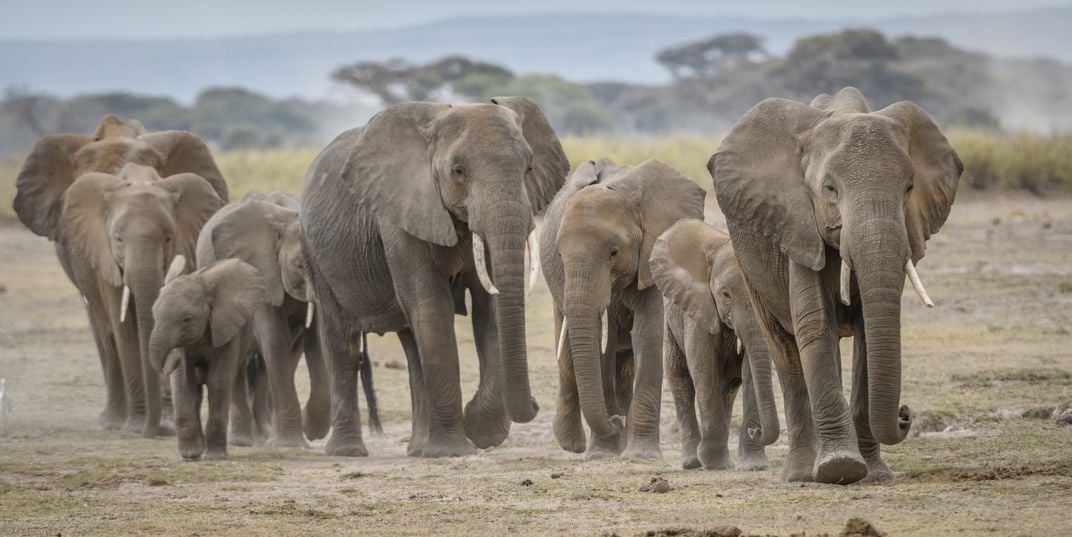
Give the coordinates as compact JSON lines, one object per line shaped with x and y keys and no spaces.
{"x":984,"y":370}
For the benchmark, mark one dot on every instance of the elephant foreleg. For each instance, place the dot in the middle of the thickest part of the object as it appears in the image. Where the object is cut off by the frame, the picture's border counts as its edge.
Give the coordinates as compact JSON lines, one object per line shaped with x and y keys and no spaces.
{"x":186,"y":391}
{"x":815,"y":327}
{"x":567,"y":427}
{"x":708,"y":378}
{"x":681,"y":386}
{"x":316,"y":416}
{"x":275,"y":340}
{"x":877,"y":470}
{"x":241,"y":433}
{"x":341,"y":353}
{"x":751,"y":453}
{"x":486,"y":422}
{"x":418,"y":399}
{"x":647,"y":339}
{"x":221,"y":378}
{"x":115,"y":409}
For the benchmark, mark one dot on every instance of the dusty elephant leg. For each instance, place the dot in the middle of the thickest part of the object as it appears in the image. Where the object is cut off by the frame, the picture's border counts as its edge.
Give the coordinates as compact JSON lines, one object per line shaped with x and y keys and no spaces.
{"x":115,"y":410}
{"x":877,"y":470}
{"x":276,"y":344}
{"x":418,"y":399}
{"x":241,"y":422}
{"x":708,"y":378}
{"x":129,"y":350}
{"x":342,"y":353}
{"x":221,"y":378}
{"x":801,"y":457}
{"x":623,"y":366}
{"x":186,"y":391}
{"x":647,"y":339}
{"x":677,"y":376}
{"x":486,"y":422}
{"x":316,"y":416}
{"x":567,"y":427}
{"x":838,"y":459}
{"x":751,"y":453}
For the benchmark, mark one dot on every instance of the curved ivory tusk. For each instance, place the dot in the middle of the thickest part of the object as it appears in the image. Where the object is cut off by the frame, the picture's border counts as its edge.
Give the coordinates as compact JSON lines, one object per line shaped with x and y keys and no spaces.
{"x":534,"y":260}
{"x":913,"y":277}
{"x":605,"y":333}
{"x":561,"y":340}
{"x":482,"y":266}
{"x":309,"y":314}
{"x":124,"y":304}
{"x":739,"y":346}
{"x":85,"y":301}
{"x":846,"y":274}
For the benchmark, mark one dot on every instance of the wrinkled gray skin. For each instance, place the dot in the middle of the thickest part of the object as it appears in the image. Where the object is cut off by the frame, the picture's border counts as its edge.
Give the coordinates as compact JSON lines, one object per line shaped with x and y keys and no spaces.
{"x":116,"y":222}
{"x":264,"y":231}
{"x":804,"y":188}
{"x":389,"y":211}
{"x":595,"y":244}
{"x":707,"y":312}
{"x":207,"y":316}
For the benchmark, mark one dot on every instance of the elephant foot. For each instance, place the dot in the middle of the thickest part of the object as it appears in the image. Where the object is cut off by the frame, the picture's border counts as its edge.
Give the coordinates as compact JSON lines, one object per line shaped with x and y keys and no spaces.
{"x":569,"y":433}
{"x":111,"y":420}
{"x":447,"y":445}
{"x":714,"y":456}
{"x":342,"y":446}
{"x":239,"y":439}
{"x":214,"y":455}
{"x":798,"y":465}
{"x":643,"y":449}
{"x":315,"y":423}
{"x":134,"y":423}
{"x":877,"y":472}
{"x":487,"y":428}
{"x":690,"y":461}
{"x":191,"y":450}
{"x":287,"y":441}
{"x":166,"y":428}
{"x":753,"y":460}
{"x":840,"y":468}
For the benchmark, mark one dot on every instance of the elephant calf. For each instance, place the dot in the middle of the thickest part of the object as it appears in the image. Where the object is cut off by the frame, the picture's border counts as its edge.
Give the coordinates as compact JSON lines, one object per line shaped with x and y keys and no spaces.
{"x":208,"y":316}
{"x":594,"y":250}
{"x":709,"y":321}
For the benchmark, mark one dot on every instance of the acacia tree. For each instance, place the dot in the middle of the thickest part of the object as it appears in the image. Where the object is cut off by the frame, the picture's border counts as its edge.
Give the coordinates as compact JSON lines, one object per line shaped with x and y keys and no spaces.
{"x":396,"y":80}
{"x":711,"y":56}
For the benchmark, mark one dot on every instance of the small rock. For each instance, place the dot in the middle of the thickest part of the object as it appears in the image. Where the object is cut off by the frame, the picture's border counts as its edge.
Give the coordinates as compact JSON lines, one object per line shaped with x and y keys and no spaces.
{"x":556,"y":475}
{"x":658,"y":485}
{"x":858,"y":527}
{"x":394,"y":364}
{"x":527,"y":483}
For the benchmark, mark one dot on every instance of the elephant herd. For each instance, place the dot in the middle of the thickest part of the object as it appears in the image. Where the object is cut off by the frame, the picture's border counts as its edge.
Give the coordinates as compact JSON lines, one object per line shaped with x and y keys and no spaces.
{"x":828,"y":208}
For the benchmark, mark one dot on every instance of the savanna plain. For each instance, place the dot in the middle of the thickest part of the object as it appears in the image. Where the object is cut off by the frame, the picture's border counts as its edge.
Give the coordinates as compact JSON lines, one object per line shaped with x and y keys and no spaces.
{"x":988,"y":373}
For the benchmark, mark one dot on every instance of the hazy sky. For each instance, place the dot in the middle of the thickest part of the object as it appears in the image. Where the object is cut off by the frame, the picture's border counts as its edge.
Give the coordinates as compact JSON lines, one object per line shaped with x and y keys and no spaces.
{"x":51,"y":19}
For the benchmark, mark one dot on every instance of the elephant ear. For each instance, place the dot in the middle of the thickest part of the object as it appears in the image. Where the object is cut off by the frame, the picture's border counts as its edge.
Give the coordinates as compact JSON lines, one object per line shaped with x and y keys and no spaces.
{"x":666,"y":196}
{"x":390,"y":172}
{"x":681,"y":268}
{"x":195,"y":202}
{"x":47,"y":173}
{"x":759,"y":180}
{"x":251,"y":232}
{"x":549,"y":163}
{"x":83,"y":224}
{"x":937,"y":169}
{"x":236,"y":290}
{"x":186,"y":152}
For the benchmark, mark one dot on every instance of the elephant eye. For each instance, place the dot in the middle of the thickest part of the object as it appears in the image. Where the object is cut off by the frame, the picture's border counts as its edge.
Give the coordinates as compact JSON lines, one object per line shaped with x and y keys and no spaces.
{"x":614,"y":253}
{"x":187,"y":320}
{"x":167,"y":239}
{"x":458,"y":170}
{"x":909,"y":189}
{"x":725,"y":293}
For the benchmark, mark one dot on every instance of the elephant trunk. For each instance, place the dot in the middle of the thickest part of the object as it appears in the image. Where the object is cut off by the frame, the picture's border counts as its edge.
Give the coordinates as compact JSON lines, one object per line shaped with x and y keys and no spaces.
{"x":144,"y":275}
{"x":159,"y":347}
{"x":877,"y":258}
{"x":505,"y":229}
{"x":759,"y":364}
{"x":583,"y":309}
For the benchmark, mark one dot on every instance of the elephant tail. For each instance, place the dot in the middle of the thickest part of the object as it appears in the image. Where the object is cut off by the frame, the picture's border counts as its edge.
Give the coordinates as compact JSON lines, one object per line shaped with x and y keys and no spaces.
{"x":366,"y":384}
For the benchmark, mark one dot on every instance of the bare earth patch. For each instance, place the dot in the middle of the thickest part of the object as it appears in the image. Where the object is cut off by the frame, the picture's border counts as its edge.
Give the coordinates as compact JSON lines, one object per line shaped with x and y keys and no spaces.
{"x":981,"y":371}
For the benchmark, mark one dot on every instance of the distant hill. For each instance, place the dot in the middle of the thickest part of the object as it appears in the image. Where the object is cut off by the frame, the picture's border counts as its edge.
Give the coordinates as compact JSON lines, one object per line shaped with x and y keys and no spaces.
{"x":582,"y":47}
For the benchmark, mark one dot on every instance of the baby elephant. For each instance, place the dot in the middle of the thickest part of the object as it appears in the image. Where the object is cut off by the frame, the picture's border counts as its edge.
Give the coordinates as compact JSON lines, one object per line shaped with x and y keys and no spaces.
{"x":207,"y":316}
{"x":709,"y":322}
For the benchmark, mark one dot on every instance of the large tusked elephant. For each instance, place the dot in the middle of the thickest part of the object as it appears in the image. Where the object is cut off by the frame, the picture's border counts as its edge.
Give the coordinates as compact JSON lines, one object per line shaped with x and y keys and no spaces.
{"x":829,"y":207}
{"x":709,"y":323}
{"x":595,"y":244}
{"x":115,"y":231}
{"x":395,"y":215}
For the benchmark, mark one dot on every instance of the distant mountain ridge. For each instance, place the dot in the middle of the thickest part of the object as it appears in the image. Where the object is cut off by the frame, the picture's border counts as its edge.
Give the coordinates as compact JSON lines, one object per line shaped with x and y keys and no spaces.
{"x":577,"y":46}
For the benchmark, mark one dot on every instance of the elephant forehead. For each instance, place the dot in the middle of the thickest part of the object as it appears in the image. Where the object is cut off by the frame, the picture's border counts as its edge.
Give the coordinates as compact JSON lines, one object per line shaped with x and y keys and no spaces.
{"x":482,"y":123}
{"x":184,"y":292}
{"x":854,"y":143}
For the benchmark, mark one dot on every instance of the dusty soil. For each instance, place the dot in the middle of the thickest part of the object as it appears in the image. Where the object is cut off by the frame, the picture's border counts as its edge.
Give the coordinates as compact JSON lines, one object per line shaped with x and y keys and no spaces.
{"x":985,"y":371}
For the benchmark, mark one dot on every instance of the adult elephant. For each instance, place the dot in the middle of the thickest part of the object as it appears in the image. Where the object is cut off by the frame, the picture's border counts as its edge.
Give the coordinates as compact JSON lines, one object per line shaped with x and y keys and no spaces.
{"x":115,"y":232}
{"x":714,"y":345}
{"x":424,"y":195}
{"x":829,"y":206}
{"x":264,"y":231}
{"x":595,"y":245}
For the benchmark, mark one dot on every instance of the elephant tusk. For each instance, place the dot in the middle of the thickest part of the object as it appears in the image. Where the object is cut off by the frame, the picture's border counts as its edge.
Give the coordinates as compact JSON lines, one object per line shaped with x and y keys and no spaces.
{"x":534,"y":260}
{"x":124,"y":304}
{"x":561,"y":341}
{"x":913,"y":277}
{"x":846,"y":274}
{"x":739,"y":346}
{"x":309,"y":314}
{"x":482,"y":266}
{"x":604,"y":333}
{"x":85,"y":301}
